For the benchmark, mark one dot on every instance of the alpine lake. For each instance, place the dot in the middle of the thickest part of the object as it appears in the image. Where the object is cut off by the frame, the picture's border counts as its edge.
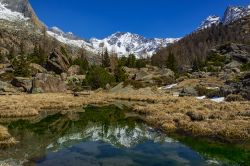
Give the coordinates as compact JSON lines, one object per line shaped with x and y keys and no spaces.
{"x":110,"y":136}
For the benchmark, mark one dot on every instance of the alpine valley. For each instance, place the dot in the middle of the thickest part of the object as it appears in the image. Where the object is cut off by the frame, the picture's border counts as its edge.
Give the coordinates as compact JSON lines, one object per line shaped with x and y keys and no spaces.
{"x":125,"y":99}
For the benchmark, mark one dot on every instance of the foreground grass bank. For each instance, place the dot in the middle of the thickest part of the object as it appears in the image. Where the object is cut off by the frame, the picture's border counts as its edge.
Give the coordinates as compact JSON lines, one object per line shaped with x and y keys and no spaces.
{"x":224,"y":121}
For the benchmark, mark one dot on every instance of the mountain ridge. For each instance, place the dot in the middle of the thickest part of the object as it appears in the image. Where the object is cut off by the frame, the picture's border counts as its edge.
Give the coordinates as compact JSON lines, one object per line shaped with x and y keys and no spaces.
{"x":121,"y":43}
{"x":231,"y":14}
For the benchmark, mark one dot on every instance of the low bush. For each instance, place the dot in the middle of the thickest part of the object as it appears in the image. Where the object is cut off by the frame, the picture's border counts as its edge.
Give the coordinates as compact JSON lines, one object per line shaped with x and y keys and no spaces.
{"x":98,"y":77}
{"x":246,"y":67}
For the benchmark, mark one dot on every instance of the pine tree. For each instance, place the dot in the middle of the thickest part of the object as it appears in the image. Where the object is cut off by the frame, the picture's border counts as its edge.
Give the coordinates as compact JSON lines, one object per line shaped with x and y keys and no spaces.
{"x":171,"y":62}
{"x":120,"y":74}
{"x":131,"y":61}
{"x":106,"y":59}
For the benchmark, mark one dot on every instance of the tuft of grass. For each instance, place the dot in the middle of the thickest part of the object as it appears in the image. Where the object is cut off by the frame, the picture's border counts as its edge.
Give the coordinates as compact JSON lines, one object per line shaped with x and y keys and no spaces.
{"x":6,"y":140}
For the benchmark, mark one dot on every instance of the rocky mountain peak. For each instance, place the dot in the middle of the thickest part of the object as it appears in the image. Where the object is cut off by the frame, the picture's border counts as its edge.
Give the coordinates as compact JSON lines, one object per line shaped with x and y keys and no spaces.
{"x":234,"y":13}
{"x":22,"y":7}
{"x":209,"y":21}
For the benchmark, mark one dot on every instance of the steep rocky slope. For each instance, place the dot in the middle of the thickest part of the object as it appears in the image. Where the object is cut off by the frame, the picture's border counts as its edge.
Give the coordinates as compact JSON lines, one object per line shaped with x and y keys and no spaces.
{"x":23,"y":7}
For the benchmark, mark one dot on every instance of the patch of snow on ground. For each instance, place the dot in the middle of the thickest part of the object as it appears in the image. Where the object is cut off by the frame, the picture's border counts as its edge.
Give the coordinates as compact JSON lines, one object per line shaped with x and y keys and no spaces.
{"x":218,"y":99}
{"x":169,"y":86}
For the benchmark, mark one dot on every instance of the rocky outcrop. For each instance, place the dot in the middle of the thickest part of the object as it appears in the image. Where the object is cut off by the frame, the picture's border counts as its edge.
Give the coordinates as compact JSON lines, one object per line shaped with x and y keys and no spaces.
{"x":24,"y":83}
{"x":6,"y":68}
{"x":35,"y":68}
{"x":47,"y":83}
{"x":234,"y":52}
{"x":151,"y":75}
{"x":24,"y":7}
{"x":240,"y":87}
{"x":6,"y":87}
{"x":57,"y":62}
{"x":74,"y":70}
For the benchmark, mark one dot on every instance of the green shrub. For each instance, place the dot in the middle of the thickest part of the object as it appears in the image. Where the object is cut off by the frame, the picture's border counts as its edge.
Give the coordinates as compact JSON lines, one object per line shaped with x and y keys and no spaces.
{"x":98,"y":77}
{"x":211,"y":69}
{"x":120,"y":74}
{"x":246,"y":67}
{"x":140,"y":63}
{"x":83,"y":63}
{"x":21,"y":66}
{"x":216,"y":59}
{"x":38,"y":56}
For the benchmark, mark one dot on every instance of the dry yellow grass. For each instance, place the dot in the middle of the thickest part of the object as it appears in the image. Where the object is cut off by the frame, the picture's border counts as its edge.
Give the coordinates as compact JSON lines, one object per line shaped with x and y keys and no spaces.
{"x":31,"y":105}
{"x":227,"y":121}
{"x":6,"y":140}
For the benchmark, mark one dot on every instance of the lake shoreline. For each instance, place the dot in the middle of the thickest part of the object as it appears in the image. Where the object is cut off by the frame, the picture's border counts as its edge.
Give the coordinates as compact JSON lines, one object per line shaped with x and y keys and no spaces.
{"x":227,"y":122}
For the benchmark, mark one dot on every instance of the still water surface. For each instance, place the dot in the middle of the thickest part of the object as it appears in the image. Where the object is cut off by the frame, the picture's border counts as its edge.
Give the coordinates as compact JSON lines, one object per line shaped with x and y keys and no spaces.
{"x":107,"y":136}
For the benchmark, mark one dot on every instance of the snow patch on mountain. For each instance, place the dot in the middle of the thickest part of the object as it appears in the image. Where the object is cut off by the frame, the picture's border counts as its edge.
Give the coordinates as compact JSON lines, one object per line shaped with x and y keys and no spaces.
{"x":209,"y":21}
{"x":7,"y":14}
{"x":232,"y":13}
{"x":119,"y":136}
{"x":120,"y":43}
{"x":68,"y":38}
{"x":128,"y":43}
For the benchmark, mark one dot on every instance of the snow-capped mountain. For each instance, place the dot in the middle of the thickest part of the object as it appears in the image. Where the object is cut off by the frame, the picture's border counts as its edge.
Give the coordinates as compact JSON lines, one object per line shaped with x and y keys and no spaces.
{"x":232,"y":13}
{"x":118,"y":136}
{"x":209,"y":21}
{"x":7,"y":14}
{"x":126,"y":43}
{"x":18,"y":10}
{"x":119,"y":43}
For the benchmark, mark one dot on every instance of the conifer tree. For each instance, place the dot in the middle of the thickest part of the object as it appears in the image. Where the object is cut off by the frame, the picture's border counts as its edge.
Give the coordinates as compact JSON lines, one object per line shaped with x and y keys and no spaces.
{"x":171,"y":62}
{"x":106,"y":59}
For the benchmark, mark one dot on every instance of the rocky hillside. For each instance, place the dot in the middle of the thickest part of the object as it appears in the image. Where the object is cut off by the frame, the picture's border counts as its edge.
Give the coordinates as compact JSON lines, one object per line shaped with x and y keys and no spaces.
{"x":197,"y":46}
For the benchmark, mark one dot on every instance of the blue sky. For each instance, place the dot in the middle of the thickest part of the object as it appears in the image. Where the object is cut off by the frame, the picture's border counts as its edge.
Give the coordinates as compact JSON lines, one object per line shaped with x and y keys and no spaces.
{"x":150,"y":18}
